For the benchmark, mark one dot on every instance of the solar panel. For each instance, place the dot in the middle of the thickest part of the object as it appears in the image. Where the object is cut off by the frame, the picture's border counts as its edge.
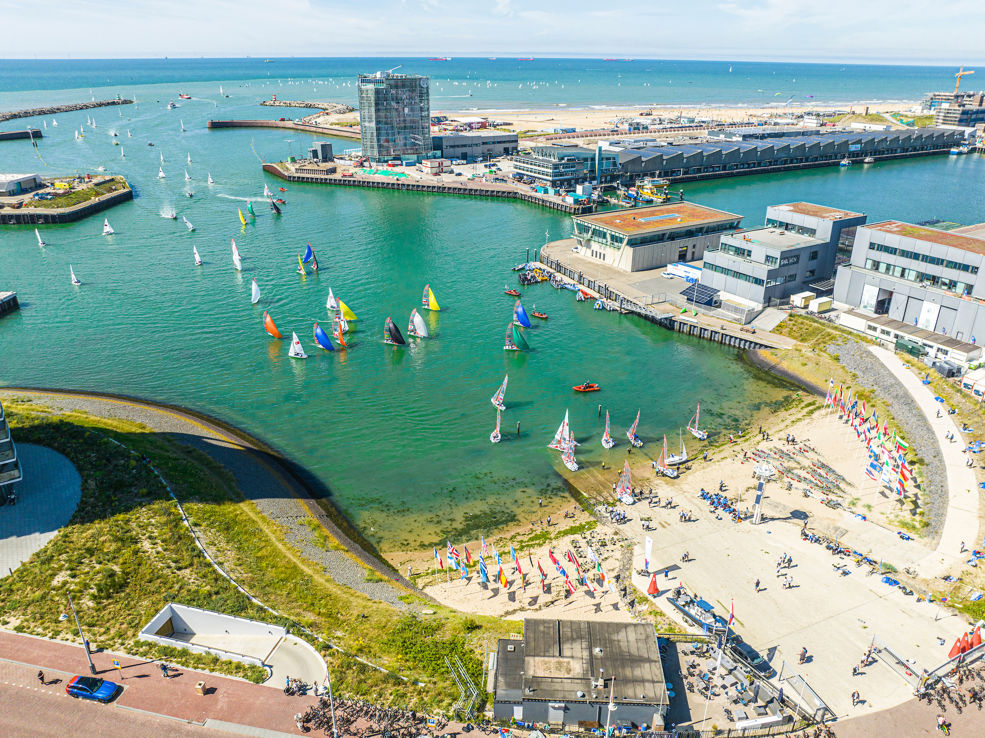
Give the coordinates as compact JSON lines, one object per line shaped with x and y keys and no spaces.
{"x":665,"y":216}
{"x":700,"y":294}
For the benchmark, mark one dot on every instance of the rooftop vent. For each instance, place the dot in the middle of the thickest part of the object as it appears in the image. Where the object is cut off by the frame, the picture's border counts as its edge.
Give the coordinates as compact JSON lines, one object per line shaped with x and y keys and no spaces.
{"x":598,"y":651}
{"x":510,"y":647}
{"x":581,"y":695}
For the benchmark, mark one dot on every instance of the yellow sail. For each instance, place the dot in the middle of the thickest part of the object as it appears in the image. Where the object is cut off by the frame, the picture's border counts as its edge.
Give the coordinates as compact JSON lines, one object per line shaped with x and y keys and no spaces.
{"x":301,"y":266}
{"x":432,"y":303}
{"x":346,"y":312}
{"x":241,"y":218}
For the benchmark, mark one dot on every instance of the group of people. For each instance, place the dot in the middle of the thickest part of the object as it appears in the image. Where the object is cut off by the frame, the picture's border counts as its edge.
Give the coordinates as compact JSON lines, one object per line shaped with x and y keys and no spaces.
{"x":719,"y":503}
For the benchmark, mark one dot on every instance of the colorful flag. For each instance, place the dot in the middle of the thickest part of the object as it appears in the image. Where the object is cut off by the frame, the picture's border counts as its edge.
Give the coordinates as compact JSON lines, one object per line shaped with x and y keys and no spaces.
{"x":440,"y":564}
{"x":516,"y":561}
{"x":731,"y":612}
{"x":900,"y":443}
{"x":452,"y":556}
{"x":468,"y":556}
{"x":570,"y":585}
{"x":465,"y":572}
{"x":543,"y":578}
{"x":483,"y":572}
{"x":502,"y":579}
{"x":484,"y":551}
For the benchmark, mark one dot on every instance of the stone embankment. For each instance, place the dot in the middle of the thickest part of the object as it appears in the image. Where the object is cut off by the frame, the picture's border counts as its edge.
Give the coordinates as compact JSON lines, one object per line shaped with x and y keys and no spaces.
{"x":55,"y":109}
{"x":331,"y":108}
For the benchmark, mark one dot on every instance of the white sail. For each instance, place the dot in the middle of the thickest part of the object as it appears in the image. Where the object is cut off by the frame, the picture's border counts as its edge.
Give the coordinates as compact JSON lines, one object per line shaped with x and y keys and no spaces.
{"x":187,"y":178}
{"x":417,"y":322}
{"x":675,"y":459}
{"x":198,"y":259}
{"x":162,"y":157}
{"x":45,"y":124}
{"x":220,"y":90}
{"x":160,"y":173}
{"x":129,"y":135}
{"x":54,"y":122}
{"x":343,"y":324}
{"x":182,"y":124}
{"x":187,"y":224}
{"x":255,"y":296}
{"x":498,"y":399}
{"x":237,"y":262}
{"x":561,"y":437}
{"x":330,"y":303}
{"x":122,"y":155}
{"x":75,"y":280}
{"x":107,"y":228}
{"x":693,"y":426}
{"x":296,"y":351}
{"x":211,"y":181}
{"x":607,"y":441}
{"x":41,"y":242}
{"x":76,"y":135}
{"x":189,"y":160}
{"x":568,"y":457}
{"x":494,"y":437}
{"x":267,"y":192}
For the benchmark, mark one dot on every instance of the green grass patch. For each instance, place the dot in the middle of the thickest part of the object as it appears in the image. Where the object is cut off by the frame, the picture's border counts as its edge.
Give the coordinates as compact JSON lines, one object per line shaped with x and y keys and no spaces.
{"x":76,"y":197}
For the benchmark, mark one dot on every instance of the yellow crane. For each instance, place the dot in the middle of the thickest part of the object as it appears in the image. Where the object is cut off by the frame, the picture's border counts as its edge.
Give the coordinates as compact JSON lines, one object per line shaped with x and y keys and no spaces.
{"x":958,"y":76}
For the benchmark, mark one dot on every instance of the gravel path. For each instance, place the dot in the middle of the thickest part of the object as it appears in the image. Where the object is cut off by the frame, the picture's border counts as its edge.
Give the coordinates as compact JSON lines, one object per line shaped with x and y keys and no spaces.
{"x":872,"y":374}
{"x":278,"y":496}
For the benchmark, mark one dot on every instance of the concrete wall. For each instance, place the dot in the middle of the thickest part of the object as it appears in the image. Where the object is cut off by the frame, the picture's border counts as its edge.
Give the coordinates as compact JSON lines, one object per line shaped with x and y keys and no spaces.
{"x":653,"y":255}
{"x":541,"y":711}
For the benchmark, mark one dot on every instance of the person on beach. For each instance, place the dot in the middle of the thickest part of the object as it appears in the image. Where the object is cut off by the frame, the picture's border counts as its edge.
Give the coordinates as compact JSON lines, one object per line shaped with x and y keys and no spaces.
{"x":756,"y":585}
{"x":41,"y":677}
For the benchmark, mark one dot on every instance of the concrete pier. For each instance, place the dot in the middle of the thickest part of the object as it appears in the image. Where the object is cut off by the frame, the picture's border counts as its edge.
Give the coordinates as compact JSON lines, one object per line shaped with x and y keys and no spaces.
{"x":338,"y":131}
{"x":41,"y":216}
{"x":70,"y":107}
{"x":26,"y":133}
{"x":8,"y":302}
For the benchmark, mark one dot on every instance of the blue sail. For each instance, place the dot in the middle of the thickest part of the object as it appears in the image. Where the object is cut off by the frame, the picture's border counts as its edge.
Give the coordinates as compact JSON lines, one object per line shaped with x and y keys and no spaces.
{"x":308,"y":254}
{"x":520,"y":315}
{"x":322,"y":340}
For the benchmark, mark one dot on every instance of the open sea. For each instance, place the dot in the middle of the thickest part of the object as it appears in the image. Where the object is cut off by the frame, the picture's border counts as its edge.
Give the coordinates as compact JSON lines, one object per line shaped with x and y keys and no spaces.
{"x":399,"y":436}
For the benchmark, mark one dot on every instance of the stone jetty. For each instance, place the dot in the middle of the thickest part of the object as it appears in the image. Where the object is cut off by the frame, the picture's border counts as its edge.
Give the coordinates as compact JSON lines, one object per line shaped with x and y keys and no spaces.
{"x":55,"y":109}
{"x":331,"y":108}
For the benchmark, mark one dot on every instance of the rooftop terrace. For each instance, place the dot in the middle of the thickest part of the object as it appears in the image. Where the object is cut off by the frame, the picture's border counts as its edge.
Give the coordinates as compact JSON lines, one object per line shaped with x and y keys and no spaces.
{"x":775,"y":238}
{"x":656,"y":218}
{"x":931,"y":235}
{"x":817,"y":211}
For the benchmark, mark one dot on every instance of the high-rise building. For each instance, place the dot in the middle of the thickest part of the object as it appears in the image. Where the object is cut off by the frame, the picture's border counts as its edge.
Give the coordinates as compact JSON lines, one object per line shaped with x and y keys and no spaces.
{"x":394,"y":115}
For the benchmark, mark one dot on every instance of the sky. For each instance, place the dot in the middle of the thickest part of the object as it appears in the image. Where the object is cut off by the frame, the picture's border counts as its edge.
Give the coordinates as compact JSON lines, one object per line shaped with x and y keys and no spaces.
{"x":876,"y":31}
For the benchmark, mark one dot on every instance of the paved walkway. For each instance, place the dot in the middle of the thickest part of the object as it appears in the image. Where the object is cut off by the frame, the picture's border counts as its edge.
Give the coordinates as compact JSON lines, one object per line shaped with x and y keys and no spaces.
{"x":961,"y":520}
{"x":46,"y":499}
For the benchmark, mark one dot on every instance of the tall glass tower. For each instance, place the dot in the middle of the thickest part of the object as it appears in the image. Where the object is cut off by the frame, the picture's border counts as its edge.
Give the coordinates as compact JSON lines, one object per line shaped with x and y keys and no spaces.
{"x":394,"y":115}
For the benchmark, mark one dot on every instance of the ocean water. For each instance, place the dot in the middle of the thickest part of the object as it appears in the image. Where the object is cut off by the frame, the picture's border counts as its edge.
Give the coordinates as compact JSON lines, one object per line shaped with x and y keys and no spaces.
{"x":399,"y":436}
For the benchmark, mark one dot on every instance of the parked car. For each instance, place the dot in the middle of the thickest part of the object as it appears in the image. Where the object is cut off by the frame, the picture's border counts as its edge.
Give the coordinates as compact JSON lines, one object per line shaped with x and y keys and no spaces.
{"x":92,"y":688}
{"x":749,"y":656}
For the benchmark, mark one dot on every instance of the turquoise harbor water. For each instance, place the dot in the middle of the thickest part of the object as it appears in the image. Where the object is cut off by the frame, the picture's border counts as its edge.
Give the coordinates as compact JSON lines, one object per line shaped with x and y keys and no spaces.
{"x":399,"y":436}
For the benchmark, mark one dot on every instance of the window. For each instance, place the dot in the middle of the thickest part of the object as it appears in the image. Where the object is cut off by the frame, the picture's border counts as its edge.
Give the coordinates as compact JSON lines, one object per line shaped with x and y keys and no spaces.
{"x":771,"y":261}
{"x":808,"y":274}
{"x":813,"y":256}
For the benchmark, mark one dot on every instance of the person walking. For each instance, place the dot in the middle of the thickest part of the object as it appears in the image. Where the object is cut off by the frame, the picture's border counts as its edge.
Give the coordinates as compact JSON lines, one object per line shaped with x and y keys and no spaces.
{"x":803,"y":655}
{"x":856,"y":698}
{"x":756,"y":585}
{"x":164,"y":671}
{"x":41,"y":677}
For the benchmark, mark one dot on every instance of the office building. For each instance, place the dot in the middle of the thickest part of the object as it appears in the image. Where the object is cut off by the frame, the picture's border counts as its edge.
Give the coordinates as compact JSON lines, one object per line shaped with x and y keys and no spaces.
{"x":650,"y":237}
{"x":566,"y":166}
{"x":321,"y":151}
{"x":10,"y":468}
{"x":569,"y":672}
{"x":964,"y":109}
{"x":921,"y":277}
{"x":394,"y":116}
{"x":795,"y":250}
{"x":475,"y":145}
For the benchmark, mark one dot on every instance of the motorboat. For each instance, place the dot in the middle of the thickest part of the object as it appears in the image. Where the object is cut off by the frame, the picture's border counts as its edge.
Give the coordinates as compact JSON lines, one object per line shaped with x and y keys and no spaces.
{"x":587,"y":387}
{"x":512,"y":292}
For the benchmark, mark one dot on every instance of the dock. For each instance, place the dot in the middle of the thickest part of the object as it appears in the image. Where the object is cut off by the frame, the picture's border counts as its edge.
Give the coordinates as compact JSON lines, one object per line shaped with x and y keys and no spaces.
{"x":337,"y":131}
{"x":467,"y":187}
{"x":45,"y":216}
{"x":8,"y":302}
{"x":68,"y":108}
{"x":26,"y":133}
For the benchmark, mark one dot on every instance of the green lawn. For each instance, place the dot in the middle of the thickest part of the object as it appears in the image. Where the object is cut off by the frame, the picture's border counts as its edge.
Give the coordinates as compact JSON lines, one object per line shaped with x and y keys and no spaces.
{"x":75,"y":197}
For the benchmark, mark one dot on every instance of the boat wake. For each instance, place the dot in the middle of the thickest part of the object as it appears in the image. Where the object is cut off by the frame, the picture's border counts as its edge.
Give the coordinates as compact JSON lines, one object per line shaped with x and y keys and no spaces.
{"x":255,"y":198}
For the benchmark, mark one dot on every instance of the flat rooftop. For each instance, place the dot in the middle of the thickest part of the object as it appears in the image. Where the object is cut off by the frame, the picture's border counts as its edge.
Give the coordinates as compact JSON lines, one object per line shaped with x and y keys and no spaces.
{"x":976,"y":230}
{"x":774,"y":238}
{"x":931,"y":235}
{"x":656,"y":218}
{"x":817,"y":211}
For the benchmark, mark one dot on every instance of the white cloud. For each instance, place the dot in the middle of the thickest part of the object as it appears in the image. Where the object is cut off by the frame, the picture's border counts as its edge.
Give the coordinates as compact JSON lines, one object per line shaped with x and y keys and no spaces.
{"x":503,"y":7}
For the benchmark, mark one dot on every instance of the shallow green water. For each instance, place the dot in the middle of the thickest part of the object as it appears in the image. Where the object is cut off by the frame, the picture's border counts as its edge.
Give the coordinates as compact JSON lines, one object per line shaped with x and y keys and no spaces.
{"x":400,"y":436}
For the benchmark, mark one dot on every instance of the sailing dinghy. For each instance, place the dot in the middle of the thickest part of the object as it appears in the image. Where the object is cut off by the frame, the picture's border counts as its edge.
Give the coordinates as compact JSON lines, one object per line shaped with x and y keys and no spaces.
{"x":241,"y":218}
{"x":416,"y":327}
{"x":188,"y":225}
{"x":309,"y":256}
{"x":631,"y":433}
{"x":269,"y":326}
{"x":391,"y":334}
{"x":187,"y":178}
{"x":498,"y":398}
{"x":322,"y":340}
{"x":662,"y":467}
{"x":41,"y":242}
{"x":267,"y":192}
{"x":514,"y":339}
{"x":675,"y":459}
{"x":495,"y":437}
{"x":296,"y":351}
{"x":330,"y":303}
{"x":198,"y":259}
{"x":692,"y":426}
{"x":428,"y":299}
{"x":249,"y":208}
{"x":338,"y":330}
{"x":563,"y":436}
{"x":520,"y":315}
{"x":255,"y":292}
{"x":211,"y":181}
{"x":160,"y":172}
{"x":237,"y":261}
{"x":607,"y":441}
{"x":75,"y":280}
{"x":624,"y":487}
{"x":107,"y":228}
{"x":346,"y":312}
{"x":273,"y":206}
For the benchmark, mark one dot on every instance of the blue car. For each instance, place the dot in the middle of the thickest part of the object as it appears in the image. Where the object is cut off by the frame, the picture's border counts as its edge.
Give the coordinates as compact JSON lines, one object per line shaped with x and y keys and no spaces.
{"x":92,"y":688}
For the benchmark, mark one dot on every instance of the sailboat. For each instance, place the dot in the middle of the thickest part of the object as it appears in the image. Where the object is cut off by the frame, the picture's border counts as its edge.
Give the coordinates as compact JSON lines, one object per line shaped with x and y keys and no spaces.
{"x":692,"y":426}
{"x":624,"y":487}
{"x":321,"y":339}
{"x":249,"y":208}
{"x":211,"y":181}
{"x":494,"y":437}
{"x":107,"y":228}
{"x":391,"y":334}
{"x":416,"y":326}
{"x":187,"y":178}
{"x":161,"y":153}
{"x":41,"y":242}
{"x":607,"y":441}
{"x":198,"y":259}
{"x":301,"y":267}
{"x":338,"y":330}
{"x":129,"y":135}
{"x":255,"y":293}
{"x":520,"y":315}
{"x":160,"y":172}
{"x":75,"y":280}
{"x":54,"y":122}
{"x":428,"y":300}
{"x":346,"y":312}
{"x":76,"y":135}
{"x":270,"y":326}
{"x":182,"y":124}
{"x":296,"y":351}
{"x":563,"y":436}
{"x":273,"y":206}
{"x":188,"y":225}
{"x":498,"y":398}
{"x":330,"y":303}
{"x":241,"y":218}
{"x":662,"y":467}
{"x":675,"y":459}
{"x":309,"y":255}
{"x":514,"y":339}
{"x":631,"y":433}
{"x":220,"y":90}
{"x":122,"y":155}
{"x":266,"y":192}
{"x":568,"y":457}
{"x":237,"y":261}
{"x":189,"y":159}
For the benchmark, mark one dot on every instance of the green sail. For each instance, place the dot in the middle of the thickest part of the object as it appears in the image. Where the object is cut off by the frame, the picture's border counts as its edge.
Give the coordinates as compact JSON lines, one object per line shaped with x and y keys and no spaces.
{"x":519,"y":340}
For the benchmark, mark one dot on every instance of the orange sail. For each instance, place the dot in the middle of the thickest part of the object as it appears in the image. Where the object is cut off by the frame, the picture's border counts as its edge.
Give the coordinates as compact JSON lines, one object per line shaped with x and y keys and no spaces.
{"x":269,"y":326}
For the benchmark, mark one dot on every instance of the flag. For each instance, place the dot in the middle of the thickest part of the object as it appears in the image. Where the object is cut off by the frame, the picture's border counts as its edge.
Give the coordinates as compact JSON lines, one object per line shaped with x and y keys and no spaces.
{"x":484,"y":551}
{"x":863,"y":407}
{"x":543,"y":578}
{"x":498,"y":560}
{"x":440,"y":564}
{"x":468,"y":556}
{"x":570,"y":585}
{"x":516,"y":561}
{"x":731,"y":612}
{"x":900,"y":443}
{"x":502,"y":579}
{"x":465,"y":572}
{"x":483,"y":571}
{"x":452,"y":556}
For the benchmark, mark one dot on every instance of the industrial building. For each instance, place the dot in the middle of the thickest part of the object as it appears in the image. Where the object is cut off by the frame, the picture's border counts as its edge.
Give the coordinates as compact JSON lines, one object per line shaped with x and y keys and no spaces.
{"x":394,"y":116}
{"x":570,"y":672}
{"x":651,"y":237}
{"x":321,"y":151}
{"x":18,"y":184}
{"x":475,"y":145}
{"x":795,"y":250}
{"x":918,"y":276}
{"x":565,"y":166}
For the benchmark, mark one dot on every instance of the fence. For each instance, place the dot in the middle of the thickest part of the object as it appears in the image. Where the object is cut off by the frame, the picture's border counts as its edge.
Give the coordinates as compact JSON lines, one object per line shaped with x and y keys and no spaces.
{"x":931,"y":678}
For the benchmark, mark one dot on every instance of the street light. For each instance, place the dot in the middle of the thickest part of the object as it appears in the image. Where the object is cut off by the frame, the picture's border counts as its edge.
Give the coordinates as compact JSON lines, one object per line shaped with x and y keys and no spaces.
{"x":85,"y":643}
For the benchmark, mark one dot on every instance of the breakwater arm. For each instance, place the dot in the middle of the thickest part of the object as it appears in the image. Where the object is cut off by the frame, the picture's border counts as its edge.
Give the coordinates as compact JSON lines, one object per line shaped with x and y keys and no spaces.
{"x":333,"y":108}
{"x":53,"y":109}
{"x":340,"y":132}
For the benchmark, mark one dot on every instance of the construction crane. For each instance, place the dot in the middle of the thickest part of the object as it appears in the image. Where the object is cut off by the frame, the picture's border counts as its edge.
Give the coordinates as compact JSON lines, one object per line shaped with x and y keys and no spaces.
{"x":958,"y":76}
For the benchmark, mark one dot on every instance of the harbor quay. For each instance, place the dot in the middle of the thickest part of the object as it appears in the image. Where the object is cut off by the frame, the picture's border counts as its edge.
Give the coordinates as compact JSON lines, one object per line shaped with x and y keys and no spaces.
{"x":66,"y":108}
{"x":30,"y":133}
{"x":339,"y":131}
{"x":30,"y":200}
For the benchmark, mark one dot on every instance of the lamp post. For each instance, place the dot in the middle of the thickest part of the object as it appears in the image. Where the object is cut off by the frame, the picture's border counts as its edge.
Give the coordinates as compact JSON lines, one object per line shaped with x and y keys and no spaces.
{"x":331,"y":701}
{"x":612,"y":708}
{"x":85,"y":643}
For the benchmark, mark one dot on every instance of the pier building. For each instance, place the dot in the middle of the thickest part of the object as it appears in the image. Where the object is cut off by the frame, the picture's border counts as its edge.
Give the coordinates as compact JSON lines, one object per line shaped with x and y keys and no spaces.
{"x":795,"y":250}
{"x":17,"y":184}
{"x":651,"y":237}
{"x":474,"y":145}
{"x":923,"y":278}
{"x":565,"y":166}
{"x":394,"y":116}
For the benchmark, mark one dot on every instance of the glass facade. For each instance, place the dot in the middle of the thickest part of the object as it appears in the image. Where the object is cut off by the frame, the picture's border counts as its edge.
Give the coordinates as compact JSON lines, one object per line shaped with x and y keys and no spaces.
{"x":394,"y":115}
{"x":912,"y":275}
